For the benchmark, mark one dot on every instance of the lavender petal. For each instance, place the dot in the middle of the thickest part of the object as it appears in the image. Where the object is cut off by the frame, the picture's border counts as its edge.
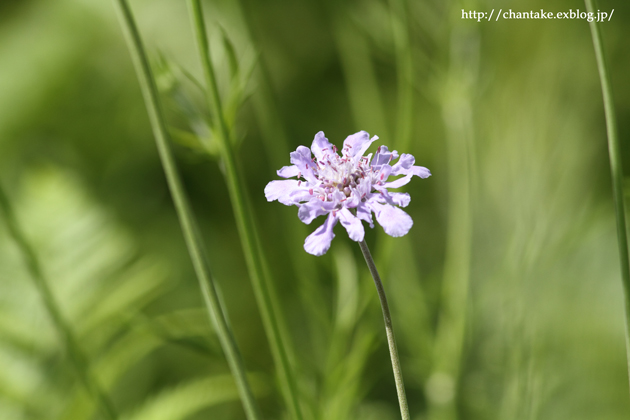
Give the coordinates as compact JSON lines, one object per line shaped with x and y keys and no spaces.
{"x":395,"y":222}
{"x":321,"y":146}
{"x":288,"y":171}
{"x":353,"y":225}
{"x":282,"y":190}
{"x":318,"y":242}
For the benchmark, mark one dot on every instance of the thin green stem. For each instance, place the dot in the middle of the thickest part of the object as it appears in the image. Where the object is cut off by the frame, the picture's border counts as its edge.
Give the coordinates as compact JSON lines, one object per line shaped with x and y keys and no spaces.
{"x":614,"y":152}
{"x":389,"y":329}
{"x":64,"y":330}
{"x":245,"y":223}
{"x":184,"y":212}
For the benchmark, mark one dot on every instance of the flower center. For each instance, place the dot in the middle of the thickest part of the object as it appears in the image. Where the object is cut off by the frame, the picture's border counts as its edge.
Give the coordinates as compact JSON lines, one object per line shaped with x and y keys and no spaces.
{"x":340,"y":173}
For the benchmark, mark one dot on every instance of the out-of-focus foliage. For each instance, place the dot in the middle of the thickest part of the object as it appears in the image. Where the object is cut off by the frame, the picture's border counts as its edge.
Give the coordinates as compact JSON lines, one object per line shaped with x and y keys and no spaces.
{"x":505,"y":295}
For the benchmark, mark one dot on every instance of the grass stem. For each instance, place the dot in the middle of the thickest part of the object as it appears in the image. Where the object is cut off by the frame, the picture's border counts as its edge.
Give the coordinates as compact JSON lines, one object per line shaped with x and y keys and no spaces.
{"x":614,"y":152}
{"x":184,"y":212}
{"x":245,"y":222}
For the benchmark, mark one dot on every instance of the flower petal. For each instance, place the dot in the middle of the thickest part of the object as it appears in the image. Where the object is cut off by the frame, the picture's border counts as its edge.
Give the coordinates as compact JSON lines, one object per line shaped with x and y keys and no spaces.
{"x":318,"y":242}
{"x":383,"y":156}
{"x":321,"y":146}
{"x":397,"y":183}
{"x":302,"y":159}
{"x":313,"y":209}
{"x":393,"y":198}
{"x":421,"y":171}
{"x":352,"y":224}
{"x":299,"y":195}
{"x":356,"y":144}
{"x":282,"y":191}
{"x":364,"y":212}
{"x":288,"y":171}
{"x":404,"y":164}
{"x":383,"y":173}
{"x":395,"y":222}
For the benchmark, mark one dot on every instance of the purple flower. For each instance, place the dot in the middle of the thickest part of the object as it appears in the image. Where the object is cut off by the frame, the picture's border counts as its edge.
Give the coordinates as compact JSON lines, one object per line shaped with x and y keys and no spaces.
{"x":347,"y":188}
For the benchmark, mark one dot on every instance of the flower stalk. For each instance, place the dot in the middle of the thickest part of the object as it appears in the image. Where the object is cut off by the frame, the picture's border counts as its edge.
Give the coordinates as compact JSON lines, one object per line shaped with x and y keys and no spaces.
{"x":616,"y":169}
{"x":245,"y":223}
{"x":187,"y":221}
{"x":389,"y":329}
{"x":77,"y":357}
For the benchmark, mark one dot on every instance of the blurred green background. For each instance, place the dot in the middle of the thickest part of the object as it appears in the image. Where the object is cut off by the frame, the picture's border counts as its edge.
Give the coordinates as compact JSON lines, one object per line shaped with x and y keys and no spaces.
{"x":506,"y":293}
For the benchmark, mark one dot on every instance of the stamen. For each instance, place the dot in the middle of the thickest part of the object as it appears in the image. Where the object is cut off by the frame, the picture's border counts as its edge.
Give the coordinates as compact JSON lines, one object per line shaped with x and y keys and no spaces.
{"x":310,"y":191}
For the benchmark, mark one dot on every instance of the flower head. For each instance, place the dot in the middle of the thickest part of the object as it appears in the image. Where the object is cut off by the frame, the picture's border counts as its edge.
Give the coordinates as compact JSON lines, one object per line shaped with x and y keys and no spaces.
{"x":347,"y":188}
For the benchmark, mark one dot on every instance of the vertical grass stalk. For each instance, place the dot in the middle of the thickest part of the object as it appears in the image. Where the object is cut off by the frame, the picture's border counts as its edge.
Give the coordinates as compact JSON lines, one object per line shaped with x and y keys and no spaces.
{"x":391,"y":340}
{"x":398,"y":10}
{"x":245,"y":223}
{"x":616,"y":169}
{"x":64,"y":330}
{"x":184,"y":212}
{"x":457,"y":114}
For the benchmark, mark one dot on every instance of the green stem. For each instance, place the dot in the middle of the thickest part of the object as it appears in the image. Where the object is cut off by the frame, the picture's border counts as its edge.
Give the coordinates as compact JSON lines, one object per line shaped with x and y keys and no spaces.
{"x":614,"y":152}
{"x":245,"y":223}
{"x":391,"y":340}
{"x":184,"y":213}
{"x":64,"y":330}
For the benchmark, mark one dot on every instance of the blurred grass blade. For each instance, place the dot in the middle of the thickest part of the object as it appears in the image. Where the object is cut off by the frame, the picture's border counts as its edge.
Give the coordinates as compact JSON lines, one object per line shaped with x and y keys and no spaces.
{"x":186,"y":218}
{"x":404,"y":73}
{"x":182,"y":401}
{"x":450,"y":334}
{"x":274,"y":137}
{"x":63,"y":328}
{"x":270,"y":310}
{"x":231,"y":54}
{"x":351,"y":344}
{"x":359,"y":74}
{"x":456,"y":109}
{"x":347,"y":289}
{"x":616,"y":169}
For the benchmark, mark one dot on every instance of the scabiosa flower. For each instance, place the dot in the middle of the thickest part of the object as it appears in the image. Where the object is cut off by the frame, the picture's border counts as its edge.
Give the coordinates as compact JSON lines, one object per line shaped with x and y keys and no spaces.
{"x":348,"y":188}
